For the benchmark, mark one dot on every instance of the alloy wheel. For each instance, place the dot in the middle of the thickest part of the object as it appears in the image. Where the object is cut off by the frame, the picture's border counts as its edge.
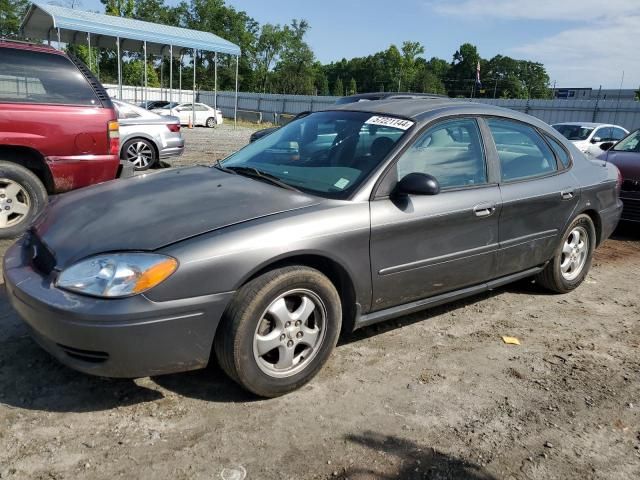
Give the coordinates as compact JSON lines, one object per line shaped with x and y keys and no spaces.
{"x":574,"y":253}
{"x":290,"y":333}
{"x":15,"y":203}
{"x":140,"y":154}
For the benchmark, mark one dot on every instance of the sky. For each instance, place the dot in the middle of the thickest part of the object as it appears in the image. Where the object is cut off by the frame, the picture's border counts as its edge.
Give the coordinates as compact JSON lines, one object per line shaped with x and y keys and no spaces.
{"x":582,"y":43}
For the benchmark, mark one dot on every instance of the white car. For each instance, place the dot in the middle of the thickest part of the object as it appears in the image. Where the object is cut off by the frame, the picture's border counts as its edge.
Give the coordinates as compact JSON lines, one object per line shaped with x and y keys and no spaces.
{"x":588,"y":136}
{"x":204,"y":114}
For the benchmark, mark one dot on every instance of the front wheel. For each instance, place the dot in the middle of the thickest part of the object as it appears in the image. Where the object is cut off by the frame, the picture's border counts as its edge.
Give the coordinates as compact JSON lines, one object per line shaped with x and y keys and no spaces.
{"x":572,"y":259}
{"x":22,"y":198}
{"x":279,"y":330}
{"x":211,"y":122}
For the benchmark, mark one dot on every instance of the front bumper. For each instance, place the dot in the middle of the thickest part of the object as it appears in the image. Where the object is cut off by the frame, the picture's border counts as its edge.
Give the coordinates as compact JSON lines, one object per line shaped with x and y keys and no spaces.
{"x":130,"y":337}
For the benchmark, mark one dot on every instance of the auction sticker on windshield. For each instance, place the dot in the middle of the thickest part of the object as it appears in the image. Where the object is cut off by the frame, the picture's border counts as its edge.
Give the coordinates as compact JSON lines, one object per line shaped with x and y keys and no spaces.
{"x":390,"y":122}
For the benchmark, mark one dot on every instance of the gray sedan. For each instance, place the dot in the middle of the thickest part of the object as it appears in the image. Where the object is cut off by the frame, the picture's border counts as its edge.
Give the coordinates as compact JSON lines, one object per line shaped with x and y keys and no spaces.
{"x":146,"y":137}
{"x":338,"y":220}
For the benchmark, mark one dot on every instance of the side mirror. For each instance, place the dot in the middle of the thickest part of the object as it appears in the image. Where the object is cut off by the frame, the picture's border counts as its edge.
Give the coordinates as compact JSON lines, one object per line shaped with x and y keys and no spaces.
{"x":418,"y":184}
{"x":596,"y":139}
{"x":606,"y":146}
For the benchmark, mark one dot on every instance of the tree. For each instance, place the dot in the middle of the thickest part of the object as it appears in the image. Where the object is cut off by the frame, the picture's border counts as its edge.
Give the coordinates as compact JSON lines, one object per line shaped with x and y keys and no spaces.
{"x":295,"y":72}
{"x":353,"y":89}
{"x":133,"y":74}
{"x":338,"y":88}
{"x":269,"y":47}
{"x":461,"y":76}
{"x":11,"y":14}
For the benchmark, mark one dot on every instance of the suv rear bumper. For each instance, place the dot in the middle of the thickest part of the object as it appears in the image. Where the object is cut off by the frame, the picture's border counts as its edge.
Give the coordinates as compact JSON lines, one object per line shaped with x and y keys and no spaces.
{"x":79,"y":171}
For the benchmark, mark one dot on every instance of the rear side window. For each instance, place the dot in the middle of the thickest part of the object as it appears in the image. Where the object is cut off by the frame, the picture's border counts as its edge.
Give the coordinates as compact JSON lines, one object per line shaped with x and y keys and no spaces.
{"x":450,"y":151}
{"x":522,"y":151}
{"x":37,"y":77}
{"x":560,"y":152}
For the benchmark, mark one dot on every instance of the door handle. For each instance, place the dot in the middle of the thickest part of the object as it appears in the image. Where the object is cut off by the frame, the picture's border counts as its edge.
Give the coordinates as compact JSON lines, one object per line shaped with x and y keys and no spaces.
{"x":484,"y":210}
{"x":567,"y":194}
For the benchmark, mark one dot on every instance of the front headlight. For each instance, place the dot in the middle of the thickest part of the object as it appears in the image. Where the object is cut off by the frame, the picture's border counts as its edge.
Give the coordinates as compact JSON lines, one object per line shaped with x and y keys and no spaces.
{"x":118,"y":274}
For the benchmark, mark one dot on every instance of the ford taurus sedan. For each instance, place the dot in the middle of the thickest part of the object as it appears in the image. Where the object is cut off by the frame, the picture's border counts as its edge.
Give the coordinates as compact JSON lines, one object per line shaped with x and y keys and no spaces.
{"x":338,"y":220}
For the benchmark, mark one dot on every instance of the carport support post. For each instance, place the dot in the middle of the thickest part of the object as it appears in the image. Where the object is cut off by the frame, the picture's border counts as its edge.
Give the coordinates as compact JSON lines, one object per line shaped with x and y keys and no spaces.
{"x":235,"y":112}
{"x":146,"y":100}
{"x":119,"y":68}
{"x":193,"y":102}
{"x":215,"y":81}
{"x":89,"y":46}
{"x":58,"y":30}
{"x":170,"y":79}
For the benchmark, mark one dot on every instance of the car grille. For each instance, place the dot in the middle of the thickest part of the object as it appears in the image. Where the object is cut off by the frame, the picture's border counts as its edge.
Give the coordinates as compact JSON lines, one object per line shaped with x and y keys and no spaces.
{"x":42,"y":259}
{"x":85,"y":355}
{"x":631,"y":185}
{"x":631,"y":209}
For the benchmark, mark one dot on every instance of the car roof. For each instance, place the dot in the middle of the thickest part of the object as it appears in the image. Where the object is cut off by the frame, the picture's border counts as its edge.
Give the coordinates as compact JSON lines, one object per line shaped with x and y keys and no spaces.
{"x":419,"y":108}
{"x":586,"y":124}
{"x":33,"y":47}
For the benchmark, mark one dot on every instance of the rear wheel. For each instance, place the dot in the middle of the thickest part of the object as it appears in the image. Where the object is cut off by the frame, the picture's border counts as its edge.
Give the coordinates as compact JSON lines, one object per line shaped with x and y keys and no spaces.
{"x":572,"y":261}
{"x":279,"y":330}
{"x":22,"y":198}
{"x":140,"y":153}
{"x":211,"y":122}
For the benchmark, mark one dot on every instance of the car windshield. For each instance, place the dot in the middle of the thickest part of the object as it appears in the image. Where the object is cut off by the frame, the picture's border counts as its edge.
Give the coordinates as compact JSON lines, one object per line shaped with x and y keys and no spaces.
{"x":631,"y":143}
{"x":326,"y":153}
{"x":574,"y":132}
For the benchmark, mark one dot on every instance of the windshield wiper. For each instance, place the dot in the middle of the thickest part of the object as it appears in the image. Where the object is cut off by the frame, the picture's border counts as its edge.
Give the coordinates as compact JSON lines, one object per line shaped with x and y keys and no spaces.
{"x":260,"y":175}
{"x":219,"y":166}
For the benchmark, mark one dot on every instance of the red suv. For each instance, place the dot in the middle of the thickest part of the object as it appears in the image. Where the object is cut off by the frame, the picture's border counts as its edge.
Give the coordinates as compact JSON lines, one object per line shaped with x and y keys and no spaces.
{"x":58,"y":130}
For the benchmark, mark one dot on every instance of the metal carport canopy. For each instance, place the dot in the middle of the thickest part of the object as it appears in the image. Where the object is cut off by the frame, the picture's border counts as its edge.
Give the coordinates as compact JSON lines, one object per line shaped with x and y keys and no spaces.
{"x":42,"y":21}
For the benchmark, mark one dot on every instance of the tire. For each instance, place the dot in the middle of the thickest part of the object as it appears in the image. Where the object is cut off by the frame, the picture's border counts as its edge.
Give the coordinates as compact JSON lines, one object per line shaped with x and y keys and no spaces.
{"x":22,"y":198}
{"x":256,"y":346}
{"x":140,"y":152}
{"x":562,"y":274}
{"x":211,"y":122}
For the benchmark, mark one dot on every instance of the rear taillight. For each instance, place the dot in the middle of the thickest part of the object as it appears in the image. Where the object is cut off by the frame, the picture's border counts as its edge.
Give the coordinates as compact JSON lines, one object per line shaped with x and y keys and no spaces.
{"x":114,"y":137}
{"x":174,"y":127}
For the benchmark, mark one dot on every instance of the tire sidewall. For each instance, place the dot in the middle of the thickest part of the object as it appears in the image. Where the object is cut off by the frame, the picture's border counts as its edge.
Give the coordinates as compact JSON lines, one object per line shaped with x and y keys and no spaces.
{"x":568,"y":285}
{"x":128,"y":143}
{"x":34,"y":188}
{"x":247,"y":368}
{"x":213,"y":122}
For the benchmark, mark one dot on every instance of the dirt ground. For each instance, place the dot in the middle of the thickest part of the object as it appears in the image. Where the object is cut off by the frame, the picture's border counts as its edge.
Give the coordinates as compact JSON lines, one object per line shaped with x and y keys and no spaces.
{"x":434,"y":395}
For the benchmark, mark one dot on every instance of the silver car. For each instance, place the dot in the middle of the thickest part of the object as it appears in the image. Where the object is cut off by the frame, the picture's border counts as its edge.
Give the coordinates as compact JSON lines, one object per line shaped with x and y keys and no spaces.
{"x":146,"y":137}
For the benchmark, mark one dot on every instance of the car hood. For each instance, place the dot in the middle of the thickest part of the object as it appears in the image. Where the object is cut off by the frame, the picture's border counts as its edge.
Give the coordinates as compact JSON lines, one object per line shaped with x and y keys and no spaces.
{"x":151,"y":211}
{"x":627,"y":162}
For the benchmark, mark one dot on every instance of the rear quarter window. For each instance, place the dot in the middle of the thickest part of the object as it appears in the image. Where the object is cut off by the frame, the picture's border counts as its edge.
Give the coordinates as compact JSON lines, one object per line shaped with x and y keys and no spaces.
{"x":37,"y":77}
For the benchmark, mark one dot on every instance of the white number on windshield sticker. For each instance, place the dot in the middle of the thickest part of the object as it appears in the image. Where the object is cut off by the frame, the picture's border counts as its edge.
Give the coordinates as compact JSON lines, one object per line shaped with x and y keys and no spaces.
{"x":390,"y":122}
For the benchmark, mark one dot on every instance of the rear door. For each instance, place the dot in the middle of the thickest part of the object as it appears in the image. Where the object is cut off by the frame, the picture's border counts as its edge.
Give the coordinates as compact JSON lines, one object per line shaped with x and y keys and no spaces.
{"x":425,"y":245}
{"x":539,"y":195}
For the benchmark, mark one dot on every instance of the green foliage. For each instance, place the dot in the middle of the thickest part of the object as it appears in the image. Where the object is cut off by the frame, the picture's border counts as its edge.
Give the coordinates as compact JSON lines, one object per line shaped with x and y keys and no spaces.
{"x":11,"y":14}
{"x":338,"y":88}
{"x":278,"y":59}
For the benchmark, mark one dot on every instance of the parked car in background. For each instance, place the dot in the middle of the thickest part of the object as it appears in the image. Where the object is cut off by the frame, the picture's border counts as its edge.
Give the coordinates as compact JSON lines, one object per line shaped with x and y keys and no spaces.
{"x":151,"y":104}
{"x":588,"y":136}
{"x":340,"y":219}
{"x":147,"y":137}
{"x":58,"y":131}
{"x":626,"y":156}
{"x":206,"y":116}
{"x":360,"y":97}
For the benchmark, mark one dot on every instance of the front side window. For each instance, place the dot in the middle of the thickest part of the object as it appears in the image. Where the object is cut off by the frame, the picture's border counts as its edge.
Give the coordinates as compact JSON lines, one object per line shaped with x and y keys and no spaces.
{"x":521,"y":150}
{"x":37,"y":77}
{"x":604,"y":134}
{"x":324,"y":153}
{"x":618,"y":134}
{"x":629,"y":144}
{"x":450,"y":151}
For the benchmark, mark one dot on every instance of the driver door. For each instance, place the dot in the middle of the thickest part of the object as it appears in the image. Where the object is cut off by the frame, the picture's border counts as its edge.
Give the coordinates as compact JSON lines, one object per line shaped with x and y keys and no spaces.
{"x":423,"y":245}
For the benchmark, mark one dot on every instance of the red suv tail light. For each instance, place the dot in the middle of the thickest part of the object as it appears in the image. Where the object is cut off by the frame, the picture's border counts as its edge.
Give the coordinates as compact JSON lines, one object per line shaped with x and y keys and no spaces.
{"x":174,"y":127}
{"x":114,"y":137}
